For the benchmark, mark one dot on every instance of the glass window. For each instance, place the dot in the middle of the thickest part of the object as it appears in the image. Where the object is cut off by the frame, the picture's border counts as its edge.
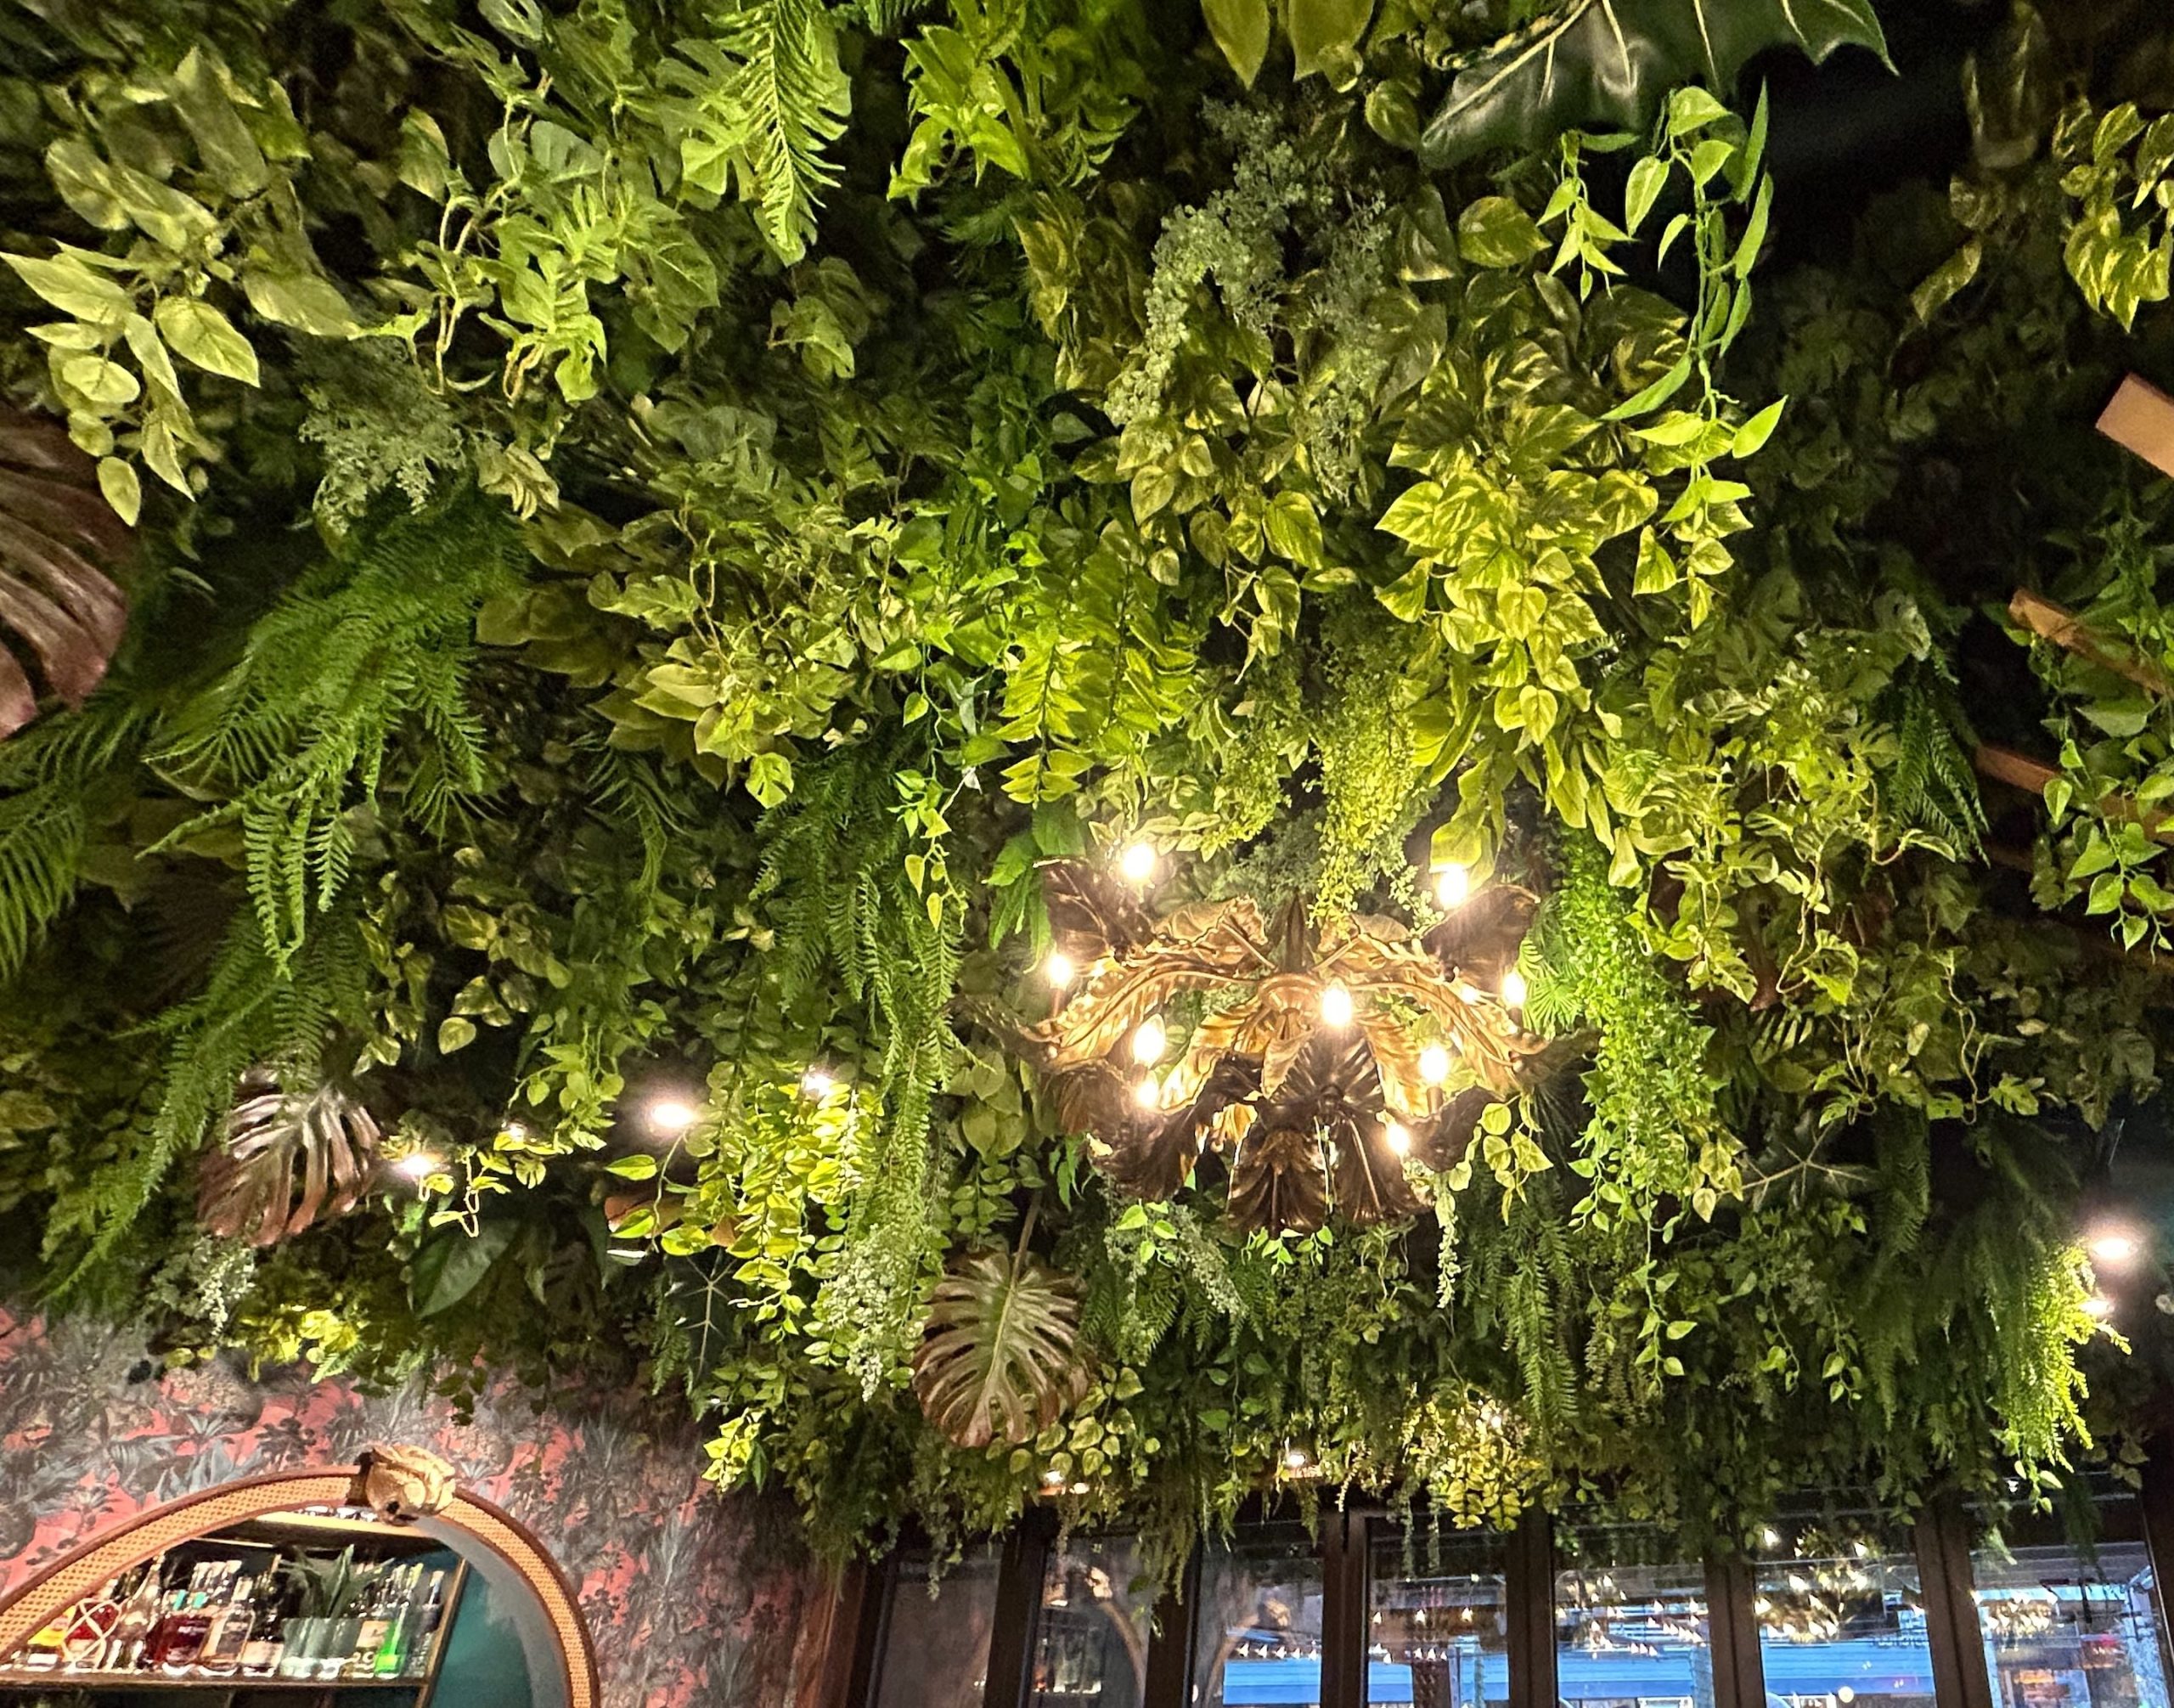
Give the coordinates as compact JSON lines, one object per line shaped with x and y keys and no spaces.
{"x":1631,"y":1626}
{"x":1090,"y":1641}
{"x":1841,"y":1615}
{"x":2066,"y":1627}
{"x":1259,"y":1635}
{"x":936,"y":1648}
{"x":1437,"y":1620}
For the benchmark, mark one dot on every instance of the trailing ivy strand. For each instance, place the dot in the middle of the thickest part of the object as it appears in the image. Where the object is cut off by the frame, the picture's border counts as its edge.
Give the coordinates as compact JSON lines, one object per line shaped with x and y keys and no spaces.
{"x":1057,"y":751}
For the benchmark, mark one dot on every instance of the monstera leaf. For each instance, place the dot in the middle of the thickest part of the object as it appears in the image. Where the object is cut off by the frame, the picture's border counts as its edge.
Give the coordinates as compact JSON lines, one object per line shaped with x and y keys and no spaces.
{"x":57,"y":603}
{"x":245,"y":1188}
{"x":1609,"y":63}
{"x":998,"y":1362}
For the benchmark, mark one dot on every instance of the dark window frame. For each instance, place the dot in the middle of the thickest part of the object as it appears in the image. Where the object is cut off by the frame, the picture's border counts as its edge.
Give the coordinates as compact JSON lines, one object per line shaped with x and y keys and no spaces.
{"x":1942,"y":1543}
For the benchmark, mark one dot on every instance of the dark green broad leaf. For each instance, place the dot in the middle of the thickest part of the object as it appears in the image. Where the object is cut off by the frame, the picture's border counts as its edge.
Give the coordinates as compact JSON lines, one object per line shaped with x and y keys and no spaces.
{"x":451,"y":1264}
{"x":1609,"y":63}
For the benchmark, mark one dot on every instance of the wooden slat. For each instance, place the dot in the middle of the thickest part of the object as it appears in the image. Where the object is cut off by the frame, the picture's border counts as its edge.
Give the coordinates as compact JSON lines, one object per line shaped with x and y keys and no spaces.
{"x":2053,"y":623}
{"x":2020,"y":770}
{"x":2141,"y":418}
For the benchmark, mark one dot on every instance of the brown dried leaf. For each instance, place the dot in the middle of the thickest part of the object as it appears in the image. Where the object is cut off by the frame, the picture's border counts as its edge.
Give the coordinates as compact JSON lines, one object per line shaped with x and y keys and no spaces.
{"x":56,"y":532}
{"x":245,"y":1186}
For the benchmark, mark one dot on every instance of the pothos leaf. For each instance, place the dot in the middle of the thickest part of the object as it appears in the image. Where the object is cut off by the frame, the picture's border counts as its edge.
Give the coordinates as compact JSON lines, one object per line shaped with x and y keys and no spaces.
{"x":1609,"y":63}
{"x":999,"y":1362}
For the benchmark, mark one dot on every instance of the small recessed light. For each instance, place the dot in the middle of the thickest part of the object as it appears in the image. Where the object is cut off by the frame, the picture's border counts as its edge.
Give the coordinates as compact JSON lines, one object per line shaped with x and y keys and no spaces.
{"x":670,"y":1116}
{"x":1137,"y":862}
{"x":1336,"y":1005}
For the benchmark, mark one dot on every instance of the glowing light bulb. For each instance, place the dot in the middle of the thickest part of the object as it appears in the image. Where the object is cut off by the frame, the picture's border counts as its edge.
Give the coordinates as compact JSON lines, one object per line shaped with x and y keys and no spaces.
{"x":2099,"y":1305}
{"x":514,"y":1131}
{"x":1296,"y":1459}
{"x":1137,"y":862}
{"x":1399,"y":1137}
{"x":1434,"y":1064}
{"x":1052,"y":1480}
{"x":1513,"y":989}
{"x":2115,"y":1247}
{"x":1149,"y":1040}
{"x":416,"y":1165}
{"x":1769,"y":1538}
{"x":669,"y":1116}
{"x":817,"y":1083}
{"x":1059,"y":970}
{"x":1147,"y":1094}
{"x":1453,"y":886}
{"x":1336,"y":1005}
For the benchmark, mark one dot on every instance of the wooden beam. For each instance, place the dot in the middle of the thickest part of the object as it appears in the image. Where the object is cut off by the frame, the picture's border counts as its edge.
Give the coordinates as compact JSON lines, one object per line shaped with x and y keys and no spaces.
{"x":2020,"y":771}
{"x":2056,"y":624}
{"x":2141,"y":418}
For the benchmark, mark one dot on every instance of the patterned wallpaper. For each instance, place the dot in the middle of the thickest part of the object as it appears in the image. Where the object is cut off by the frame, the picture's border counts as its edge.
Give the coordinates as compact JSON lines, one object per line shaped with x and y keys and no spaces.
{"x":694,"y":1600}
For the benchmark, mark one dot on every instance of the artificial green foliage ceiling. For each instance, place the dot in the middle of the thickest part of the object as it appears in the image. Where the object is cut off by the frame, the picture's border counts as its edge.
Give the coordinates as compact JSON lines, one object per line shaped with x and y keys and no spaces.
{"x":660,"y":529}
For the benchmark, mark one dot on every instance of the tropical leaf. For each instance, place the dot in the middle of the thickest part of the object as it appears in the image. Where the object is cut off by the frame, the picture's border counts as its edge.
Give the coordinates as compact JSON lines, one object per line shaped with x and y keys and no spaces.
{"x":58,"y":537}
{"x":245,"y":1188}
{"x":999,"y":1362}
{"x":755,"y":107}
{"x":1609,"y":63}
{"x":1091,"y":913}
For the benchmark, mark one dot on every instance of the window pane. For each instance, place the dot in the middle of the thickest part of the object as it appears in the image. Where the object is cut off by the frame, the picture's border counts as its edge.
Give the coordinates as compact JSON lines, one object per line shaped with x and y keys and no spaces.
{"x":1261,"y":1621}
{"x":1841,"y":1615}
{"x":936,"y":1651}
{"x":1090,"y":1642}
{"x":1631,"y":1628}
{"x":1438,"y":1633}
{"x":2070,"y":1627}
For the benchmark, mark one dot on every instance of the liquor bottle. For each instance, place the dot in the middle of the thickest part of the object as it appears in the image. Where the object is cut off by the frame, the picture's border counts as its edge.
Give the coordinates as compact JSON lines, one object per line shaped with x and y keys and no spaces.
{"x":424,"y":1630}
{"x":90,"y":1629}
{"x":266,"y":1645}
{"x":184,"y":1633}
{"x":139,"y":1615}
{"x":399,"y":1625}
{"x":43,"y":1653}
{"x":230,"y":1624}
{"x":372,"y":1633}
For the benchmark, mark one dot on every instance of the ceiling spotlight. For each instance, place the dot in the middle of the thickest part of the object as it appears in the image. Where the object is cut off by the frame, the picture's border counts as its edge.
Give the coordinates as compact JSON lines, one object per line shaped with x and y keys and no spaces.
{"x":1434,"y":1063}
{"x":2115,"y":1247}
{"x":1059,"y":970}
{"x":1399,"y":1137}
{"x":1149,"y":1040}
{"x":817,"y":1083}
{"x":669,"y":1117}
{"x":2099,"y":1305}
{"x":1137,"y":862}
{"x":1513,"y":989}
{"x":416,"y":1165}
{"x":1336,"y":1005}
{"x":1453,"y":886}
{"x":1147,"y":1094}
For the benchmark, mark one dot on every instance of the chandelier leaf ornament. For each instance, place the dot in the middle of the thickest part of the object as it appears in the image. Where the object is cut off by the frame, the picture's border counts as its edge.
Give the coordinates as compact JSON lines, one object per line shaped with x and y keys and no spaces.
{"x":1313,"y":1058}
